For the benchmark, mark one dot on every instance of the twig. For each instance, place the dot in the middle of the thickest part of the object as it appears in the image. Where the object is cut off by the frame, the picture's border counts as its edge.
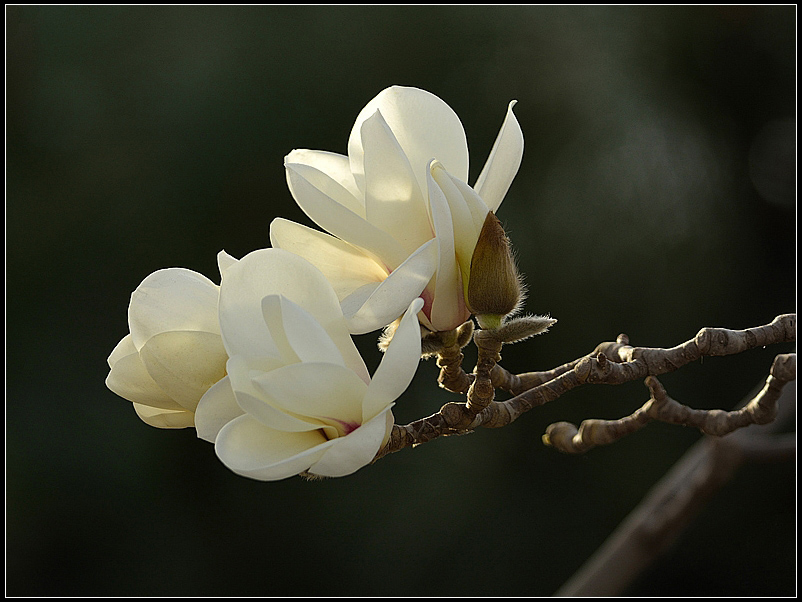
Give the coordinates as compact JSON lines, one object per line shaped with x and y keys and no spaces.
{"x":610,"y":363}
{"x":676,"y":499}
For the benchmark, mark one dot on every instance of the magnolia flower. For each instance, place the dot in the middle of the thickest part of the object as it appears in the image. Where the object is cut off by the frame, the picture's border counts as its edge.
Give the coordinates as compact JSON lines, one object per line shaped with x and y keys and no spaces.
{"x":174,"y":352}
{"x":297,"y":396}
{"x":402,"y":220}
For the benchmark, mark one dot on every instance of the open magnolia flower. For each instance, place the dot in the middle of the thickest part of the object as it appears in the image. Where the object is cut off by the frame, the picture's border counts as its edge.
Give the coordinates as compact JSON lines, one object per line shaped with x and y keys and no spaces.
{"x":297,"y":396}
{"x":174,"y":352}
{"x":402,"y":220}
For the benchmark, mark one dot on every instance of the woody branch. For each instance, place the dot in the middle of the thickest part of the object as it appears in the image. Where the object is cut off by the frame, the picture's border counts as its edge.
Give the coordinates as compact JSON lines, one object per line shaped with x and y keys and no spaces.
{"x":610,"y":363}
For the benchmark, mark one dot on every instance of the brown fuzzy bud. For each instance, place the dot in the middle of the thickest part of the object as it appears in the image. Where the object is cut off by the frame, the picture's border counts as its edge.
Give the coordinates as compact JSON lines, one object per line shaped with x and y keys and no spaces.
{"x":494,"y":287}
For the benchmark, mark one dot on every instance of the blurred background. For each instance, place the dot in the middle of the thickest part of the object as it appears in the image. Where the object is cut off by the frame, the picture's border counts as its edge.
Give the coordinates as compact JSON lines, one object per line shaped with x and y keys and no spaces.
{"x":657,"y":195}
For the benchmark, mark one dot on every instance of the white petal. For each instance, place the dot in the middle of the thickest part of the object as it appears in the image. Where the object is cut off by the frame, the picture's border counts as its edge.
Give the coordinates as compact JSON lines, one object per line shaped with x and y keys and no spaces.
{"x":503,"y":163}
{"x":271,"y":272}
{"x":164,"y":419}
{"x":375,"y":308}
{"x":398,"y":366}
{"x":425,"y":127}
{"x":130,"y":379}
{"x":279,"y":272}
{"x":172,"y":299}
{"x":185,"y":363}
{"x":216,"y":408}
{"x":342,"y":222}
{"x":241,"y":372}
{"x":327,"y":185}
{"x":350,"y":453}
{"x":225,"y":261}
{"x":448,"y":307}
{"x":254,"y":450}
{"x":336,"y":166}
{"x":345,"y":266}
{"x":393,"y":199}
{"x":307,"y":339}
{"x":326,"y":392}
{"x":465,"y":232}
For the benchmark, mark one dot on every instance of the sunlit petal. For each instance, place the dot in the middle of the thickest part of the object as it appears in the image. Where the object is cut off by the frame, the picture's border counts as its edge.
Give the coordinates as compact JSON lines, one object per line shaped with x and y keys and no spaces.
{"x":377,"y":307}
{"x":425,"y":127}
{"x":393,"y":199}
{"x":336,"y":166}
{"x":327,"y":185}
{"x":448,"y":307}
{"x":499,"y":171}
{"x":342,"y":222}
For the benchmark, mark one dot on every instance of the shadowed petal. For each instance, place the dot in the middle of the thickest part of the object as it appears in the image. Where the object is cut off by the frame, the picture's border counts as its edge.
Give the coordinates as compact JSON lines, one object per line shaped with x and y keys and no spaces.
{"x":372,"y":308}
{"x":164,"y":419}
{"x":130,"y":379}
{"x":350,"y":453}
{"x":398,"y":365}
{"x":215,"y":409}
{"x":345,"y":266}
{"x":172,"y":299}
{"x":185,"y":363}
{"x":251,"y":449}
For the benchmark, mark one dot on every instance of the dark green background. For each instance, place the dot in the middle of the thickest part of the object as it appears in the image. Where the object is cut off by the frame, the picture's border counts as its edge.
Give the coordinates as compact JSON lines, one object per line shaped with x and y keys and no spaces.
{"x":656,"y":196}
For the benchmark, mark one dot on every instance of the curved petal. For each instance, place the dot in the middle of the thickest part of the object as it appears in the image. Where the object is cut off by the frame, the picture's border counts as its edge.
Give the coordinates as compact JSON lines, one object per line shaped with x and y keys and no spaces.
{"x":306,"y":338}
{"x":251,"y":449}
{"x":373,"y":308}
{"x":345,"y":266}
{"x":393,"y":199}
{"x":270,"y":272}
{"x":499,"y":171}
{"x":465,"y":231}
{"x":185,"y":363}
{"x":327,"y":185}
{"x":424,"y":126}
{"x":398,"y":365}
{"x":215,"y":409}
{"x":225,"y":261}
{"x":241,"y":372}
{"x":341,"y":221}
{"x":335,"y":166}
{"x":448,"y":307}
{"x":130,"y":379}
{"x":321,"y":391}
{"x":350,"y":453}
{"x":164,"y":419}
{"x":172,"y":299}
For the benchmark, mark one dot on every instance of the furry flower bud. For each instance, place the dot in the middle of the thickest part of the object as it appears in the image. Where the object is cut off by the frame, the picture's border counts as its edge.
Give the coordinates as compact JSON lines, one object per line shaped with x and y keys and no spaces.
{"x":494,"y":286}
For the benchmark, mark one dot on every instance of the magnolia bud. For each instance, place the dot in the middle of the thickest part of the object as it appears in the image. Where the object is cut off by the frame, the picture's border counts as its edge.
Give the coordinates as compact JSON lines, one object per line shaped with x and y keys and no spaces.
{"x":494,"y":287}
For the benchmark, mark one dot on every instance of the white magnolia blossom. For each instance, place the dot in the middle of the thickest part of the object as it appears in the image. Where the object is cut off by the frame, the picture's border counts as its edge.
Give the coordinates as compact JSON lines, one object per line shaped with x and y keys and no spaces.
{"x":297,"y":396}
{"x":402,"y":221}
{"x":174,"y":352}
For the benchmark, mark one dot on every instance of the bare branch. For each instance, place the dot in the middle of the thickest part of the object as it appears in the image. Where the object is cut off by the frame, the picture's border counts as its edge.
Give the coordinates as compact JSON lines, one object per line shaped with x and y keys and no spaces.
{"x":762,"y":409}
{"x":610,"y":363}
{"x":673,"y":502}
